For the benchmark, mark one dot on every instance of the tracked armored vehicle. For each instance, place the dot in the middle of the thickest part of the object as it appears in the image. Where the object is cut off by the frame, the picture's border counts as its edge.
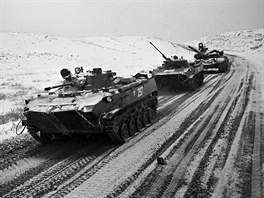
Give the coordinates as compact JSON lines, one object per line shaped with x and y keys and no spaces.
{"x":210,"y":59}
{"x":90,"y":103}
{"x":177,"y":73}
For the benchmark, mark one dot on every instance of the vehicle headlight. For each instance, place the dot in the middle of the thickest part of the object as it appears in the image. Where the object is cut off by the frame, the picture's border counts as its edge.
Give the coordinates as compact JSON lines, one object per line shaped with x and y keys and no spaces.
{"x":86,"y":109}
{"x":82,"y":82}
{"x":109,"y":99}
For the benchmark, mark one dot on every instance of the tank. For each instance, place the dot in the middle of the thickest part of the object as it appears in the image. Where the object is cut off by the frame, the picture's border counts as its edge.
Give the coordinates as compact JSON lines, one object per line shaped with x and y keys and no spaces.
{"x":176,"y":73}
{"x":210,"y":59}
{"x":92,"y":102}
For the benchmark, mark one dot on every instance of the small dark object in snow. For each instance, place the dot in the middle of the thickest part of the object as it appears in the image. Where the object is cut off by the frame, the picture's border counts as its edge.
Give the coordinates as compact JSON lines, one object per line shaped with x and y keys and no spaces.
{"x":10,"y":151}
{"x":161,"y":161}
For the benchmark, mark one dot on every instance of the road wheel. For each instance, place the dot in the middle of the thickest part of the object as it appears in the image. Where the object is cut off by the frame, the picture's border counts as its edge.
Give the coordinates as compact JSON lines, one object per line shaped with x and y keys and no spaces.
{"x":159,"y":82}
{"x":40,"y":135}
{"x":194,"y":83}
{"x":151,"y":115}
{"x":145,"y":118}
{"x":112,"y":128}
{"x":201,"y":79}
{"x":132,"y":127}
{"x":222,"y":67}
{"x":139,"y":124}
{"x":124,"y":133}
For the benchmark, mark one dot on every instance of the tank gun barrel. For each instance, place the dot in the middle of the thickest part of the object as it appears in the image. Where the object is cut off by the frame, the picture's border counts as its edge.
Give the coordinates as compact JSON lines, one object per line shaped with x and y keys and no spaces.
{"x":57,"y":86}
{"x":202,"y":55}
{"x":159,"y":51}
{"x":195,"y":50}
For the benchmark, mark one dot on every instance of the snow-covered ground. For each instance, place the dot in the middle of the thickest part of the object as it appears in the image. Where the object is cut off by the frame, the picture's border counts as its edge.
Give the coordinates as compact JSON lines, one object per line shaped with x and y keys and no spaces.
{"x":30,"y":62}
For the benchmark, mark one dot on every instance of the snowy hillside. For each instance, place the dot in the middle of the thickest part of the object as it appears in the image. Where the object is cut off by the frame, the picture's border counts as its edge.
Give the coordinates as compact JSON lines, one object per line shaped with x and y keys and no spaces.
{"x":244,"y":41}
{"x":46,"y":55}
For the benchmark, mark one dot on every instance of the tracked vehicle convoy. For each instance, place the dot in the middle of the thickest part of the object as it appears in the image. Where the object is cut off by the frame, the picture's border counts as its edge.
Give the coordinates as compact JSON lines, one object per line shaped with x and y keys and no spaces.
{"x":210,"y":59}
{"x":92,"y":102}
{"x":177,"y":73}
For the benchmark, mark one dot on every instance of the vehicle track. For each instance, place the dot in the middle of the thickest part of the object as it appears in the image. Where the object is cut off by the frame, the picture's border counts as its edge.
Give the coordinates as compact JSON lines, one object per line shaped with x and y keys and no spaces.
{"x":41,"y":157}
{"x":257,"y":184}
{"x":69,"y":187}
{"x":223,"y":146}
{"x":190,"y":139}
{"x":48,"y":169}
{"x":43,"y":177}
{"x":200,"y":134}
{"x":84,"y":175}
{"x":185,"y":104}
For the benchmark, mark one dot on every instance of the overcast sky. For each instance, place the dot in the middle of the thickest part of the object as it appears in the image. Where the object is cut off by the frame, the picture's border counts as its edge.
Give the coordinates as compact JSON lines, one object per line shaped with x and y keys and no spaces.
{"x":175,"y":20}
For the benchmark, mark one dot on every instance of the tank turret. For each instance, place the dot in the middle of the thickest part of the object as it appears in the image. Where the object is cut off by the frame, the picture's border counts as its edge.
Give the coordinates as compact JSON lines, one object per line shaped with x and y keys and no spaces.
{"x":176,"y":72}
{"x":210,"y":59}
{"x":94,"y":79}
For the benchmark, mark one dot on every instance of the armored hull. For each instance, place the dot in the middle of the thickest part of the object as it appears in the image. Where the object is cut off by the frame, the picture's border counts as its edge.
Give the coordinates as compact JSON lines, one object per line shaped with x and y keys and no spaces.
{"x":175,"y":73}
{"x":179,"y":74}
{"x":119,"y":110}
{"x":213,"y":59}
{"x":220,"y":63}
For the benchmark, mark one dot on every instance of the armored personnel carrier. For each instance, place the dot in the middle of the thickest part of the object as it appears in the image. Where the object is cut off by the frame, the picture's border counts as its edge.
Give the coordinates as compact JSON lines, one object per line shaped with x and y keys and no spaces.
{"x":92,"y":102}
{"x":210,"y":59}
{"x":176,"y":73}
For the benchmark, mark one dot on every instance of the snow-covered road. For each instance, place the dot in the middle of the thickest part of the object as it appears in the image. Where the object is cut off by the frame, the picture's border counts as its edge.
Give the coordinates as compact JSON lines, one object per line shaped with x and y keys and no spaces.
{"x":210,"y":139}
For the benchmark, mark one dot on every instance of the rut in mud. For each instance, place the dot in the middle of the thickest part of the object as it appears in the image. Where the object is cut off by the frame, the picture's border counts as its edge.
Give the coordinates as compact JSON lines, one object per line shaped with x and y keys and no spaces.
{"x":210,"y":140}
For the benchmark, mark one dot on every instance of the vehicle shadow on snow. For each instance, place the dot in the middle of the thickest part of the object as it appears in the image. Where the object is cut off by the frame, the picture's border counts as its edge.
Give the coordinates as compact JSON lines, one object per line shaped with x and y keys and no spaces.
{"x":66,"y":146}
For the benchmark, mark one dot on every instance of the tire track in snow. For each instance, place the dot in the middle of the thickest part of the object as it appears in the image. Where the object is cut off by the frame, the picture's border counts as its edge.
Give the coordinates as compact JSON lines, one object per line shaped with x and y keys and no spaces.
{"x":240,"y":101}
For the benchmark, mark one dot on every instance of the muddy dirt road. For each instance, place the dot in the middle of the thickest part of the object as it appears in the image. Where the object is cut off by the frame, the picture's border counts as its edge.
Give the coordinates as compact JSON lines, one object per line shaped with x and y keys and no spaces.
{"x":208,"y":143}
